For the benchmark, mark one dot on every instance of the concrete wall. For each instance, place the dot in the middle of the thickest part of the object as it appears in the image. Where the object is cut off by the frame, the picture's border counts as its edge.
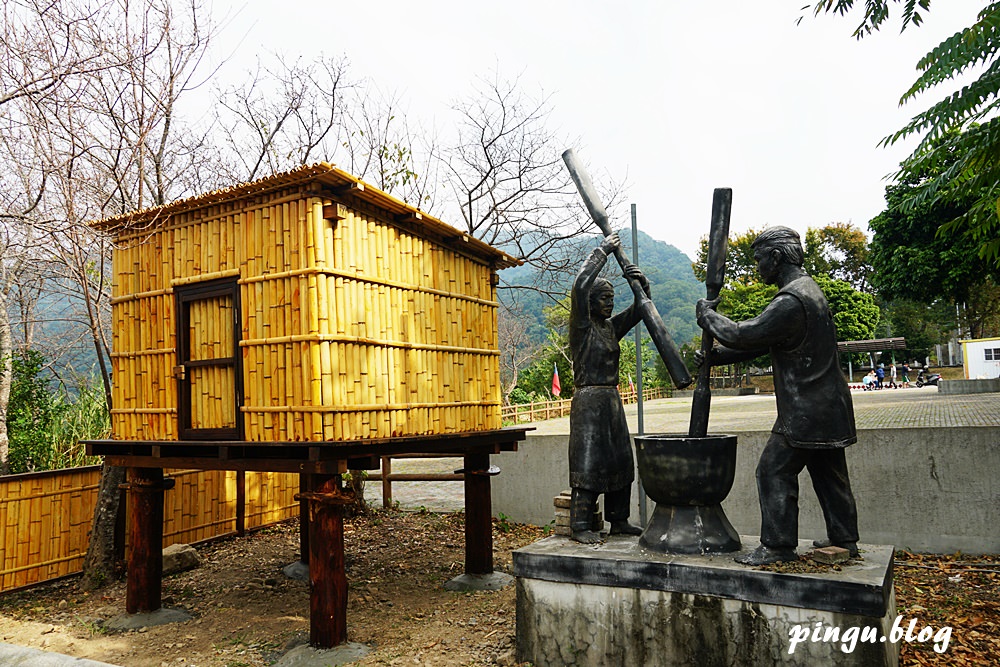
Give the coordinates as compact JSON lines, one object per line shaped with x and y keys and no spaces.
{"x":969,"y":386}
{"x":927,"y":490}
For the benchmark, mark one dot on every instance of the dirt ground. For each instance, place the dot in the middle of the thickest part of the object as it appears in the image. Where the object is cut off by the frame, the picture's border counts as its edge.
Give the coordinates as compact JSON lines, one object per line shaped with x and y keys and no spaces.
{"x":247,"y":613}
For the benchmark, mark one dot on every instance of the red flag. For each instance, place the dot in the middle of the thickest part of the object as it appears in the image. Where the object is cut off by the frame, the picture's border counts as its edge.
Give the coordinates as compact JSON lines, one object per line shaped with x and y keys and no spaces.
{"x":556,"y":389}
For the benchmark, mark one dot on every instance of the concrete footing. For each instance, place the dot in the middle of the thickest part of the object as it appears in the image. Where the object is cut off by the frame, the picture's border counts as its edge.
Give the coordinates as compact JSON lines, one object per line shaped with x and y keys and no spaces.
{"x":619,"y":604}
{"x":297,"y":570}
{"x":308,"y":656}
{"x":162,"y":616}
{"x":493,"y":581}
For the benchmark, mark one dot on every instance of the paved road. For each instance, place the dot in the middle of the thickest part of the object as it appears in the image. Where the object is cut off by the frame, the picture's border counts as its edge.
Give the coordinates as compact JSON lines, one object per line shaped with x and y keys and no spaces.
{"x":434,"y":496}
{"x":20,"y":656}
{"x":889,"y":408}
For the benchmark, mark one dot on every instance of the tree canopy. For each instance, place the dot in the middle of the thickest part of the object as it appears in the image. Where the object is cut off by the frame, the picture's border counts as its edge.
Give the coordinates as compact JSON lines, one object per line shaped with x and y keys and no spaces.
{"x":962,"y":124}
{"x":741,"y":268}
{"x":855,"y":313}
{"x":840,"y":251}
{"x":922,"y":325}
{"x":910,"y":260}
{"x":833,"y":252}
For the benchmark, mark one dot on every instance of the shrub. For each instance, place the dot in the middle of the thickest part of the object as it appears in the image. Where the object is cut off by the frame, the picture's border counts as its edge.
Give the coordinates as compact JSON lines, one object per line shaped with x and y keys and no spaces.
{"x":45,"y":423}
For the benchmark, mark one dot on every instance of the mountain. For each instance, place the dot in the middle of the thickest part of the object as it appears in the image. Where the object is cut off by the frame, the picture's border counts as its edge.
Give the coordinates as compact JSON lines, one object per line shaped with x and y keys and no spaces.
{"x":672,"y":283}
{"x":59,"y":332}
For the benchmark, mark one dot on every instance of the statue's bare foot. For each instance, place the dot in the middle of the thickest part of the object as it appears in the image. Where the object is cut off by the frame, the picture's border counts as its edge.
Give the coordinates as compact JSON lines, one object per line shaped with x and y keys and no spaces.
{"x":586,"y":537}
{"x":624,"y":528}
{"x":764,"y":555}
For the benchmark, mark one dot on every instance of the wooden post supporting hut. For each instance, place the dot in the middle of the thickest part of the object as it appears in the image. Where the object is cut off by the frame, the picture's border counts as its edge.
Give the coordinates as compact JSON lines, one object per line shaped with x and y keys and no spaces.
{"x":145,"y":495}
{"x":305,"y":323}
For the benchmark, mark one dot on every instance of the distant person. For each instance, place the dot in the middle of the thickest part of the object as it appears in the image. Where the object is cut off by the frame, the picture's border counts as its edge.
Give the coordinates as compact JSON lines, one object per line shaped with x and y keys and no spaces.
{"x":868,"y":381}
{"x":892,"y":376}
{"x":815,"y":421}
{"x":879,"y":376}
{"x":906,"y":374}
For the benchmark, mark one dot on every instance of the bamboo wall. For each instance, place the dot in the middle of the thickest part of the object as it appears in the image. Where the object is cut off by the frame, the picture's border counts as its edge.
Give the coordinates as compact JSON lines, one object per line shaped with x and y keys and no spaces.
{"x":46,"y":520}
{"x":201,"y":505}
{"x":46,"y":517}
{"x":270,"y":498}
{"x":146,"y":268}
{"x":351,"y":328}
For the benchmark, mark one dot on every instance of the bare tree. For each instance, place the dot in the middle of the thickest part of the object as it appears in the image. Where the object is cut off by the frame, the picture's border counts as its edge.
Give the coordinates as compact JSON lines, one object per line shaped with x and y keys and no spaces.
{"x":96,"y":133}
{"x":137,"y":150}
{"x":383,"y":147}
{"x":510,"y":188}
{"x":45,"y":44}
{"x":15,"y":244}
{"x":135,"y":154}
{"x":517,"y":350}
{"x":287,"y":114}
{"x":508,"y":182}
{"x":291,"y":113}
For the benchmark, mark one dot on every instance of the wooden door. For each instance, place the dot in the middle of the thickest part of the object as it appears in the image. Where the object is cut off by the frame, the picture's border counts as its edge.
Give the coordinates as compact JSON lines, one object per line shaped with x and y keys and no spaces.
{"x":208,"y":372}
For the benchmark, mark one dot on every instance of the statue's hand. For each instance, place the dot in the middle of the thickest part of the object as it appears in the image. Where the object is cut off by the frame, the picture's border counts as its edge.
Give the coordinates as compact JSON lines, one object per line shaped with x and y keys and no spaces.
{"x":704,"y":305}
{"x":700,"y":358}
{"x":632,"y":272}
{"x":611,"y":242}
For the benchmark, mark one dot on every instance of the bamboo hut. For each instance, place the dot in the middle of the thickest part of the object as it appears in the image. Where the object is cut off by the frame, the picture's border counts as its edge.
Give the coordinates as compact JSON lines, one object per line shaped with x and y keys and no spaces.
{"x":304,"y":323}
{"x":307,"y":306}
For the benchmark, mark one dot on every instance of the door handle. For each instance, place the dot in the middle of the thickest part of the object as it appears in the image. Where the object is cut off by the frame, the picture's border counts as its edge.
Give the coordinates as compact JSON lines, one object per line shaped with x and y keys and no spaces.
{"x":179,"y":372}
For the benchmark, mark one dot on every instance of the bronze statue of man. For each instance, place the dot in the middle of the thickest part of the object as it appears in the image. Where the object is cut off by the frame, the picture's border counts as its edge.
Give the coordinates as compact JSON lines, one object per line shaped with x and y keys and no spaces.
{"x":600,"y":451}
{"x":815,"y":414}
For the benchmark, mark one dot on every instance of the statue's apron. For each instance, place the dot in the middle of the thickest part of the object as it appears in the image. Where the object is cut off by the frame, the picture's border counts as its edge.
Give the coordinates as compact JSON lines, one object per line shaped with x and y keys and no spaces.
{"x":600,"y":452}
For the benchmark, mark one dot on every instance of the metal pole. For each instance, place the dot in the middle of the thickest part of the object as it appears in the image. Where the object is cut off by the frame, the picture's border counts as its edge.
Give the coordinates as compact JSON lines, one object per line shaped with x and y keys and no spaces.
{"x":638,"y":369}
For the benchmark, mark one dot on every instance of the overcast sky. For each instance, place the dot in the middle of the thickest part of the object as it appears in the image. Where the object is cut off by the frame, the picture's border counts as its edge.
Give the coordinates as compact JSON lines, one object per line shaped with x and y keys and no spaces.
{"x":674,"y":98}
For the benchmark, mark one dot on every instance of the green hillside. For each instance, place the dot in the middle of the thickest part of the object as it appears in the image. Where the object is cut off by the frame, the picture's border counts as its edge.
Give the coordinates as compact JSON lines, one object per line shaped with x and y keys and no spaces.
{"x":674,"y":287}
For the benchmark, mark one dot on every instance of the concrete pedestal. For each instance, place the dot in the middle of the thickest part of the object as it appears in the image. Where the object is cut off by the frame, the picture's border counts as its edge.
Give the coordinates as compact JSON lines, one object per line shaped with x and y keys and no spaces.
{"x":619,"y":604}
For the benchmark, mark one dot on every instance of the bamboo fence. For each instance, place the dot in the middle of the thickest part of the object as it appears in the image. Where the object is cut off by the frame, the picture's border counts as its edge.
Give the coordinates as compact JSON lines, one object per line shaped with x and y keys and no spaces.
{"x":522,"y":413}
{"x":366,"y":324}
{"x":46,"y":520}
{"x":46,"y":517}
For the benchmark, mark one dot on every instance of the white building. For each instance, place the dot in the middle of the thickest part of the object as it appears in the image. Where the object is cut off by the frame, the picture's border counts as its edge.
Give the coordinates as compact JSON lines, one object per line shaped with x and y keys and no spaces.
{"x":982,"y":358}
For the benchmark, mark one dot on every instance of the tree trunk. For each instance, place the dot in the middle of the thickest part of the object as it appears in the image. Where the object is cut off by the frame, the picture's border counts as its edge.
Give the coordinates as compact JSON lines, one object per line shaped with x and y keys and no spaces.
{"x":6,"y":378}
{"x":357,"y":484}
{"x":101,"y":565}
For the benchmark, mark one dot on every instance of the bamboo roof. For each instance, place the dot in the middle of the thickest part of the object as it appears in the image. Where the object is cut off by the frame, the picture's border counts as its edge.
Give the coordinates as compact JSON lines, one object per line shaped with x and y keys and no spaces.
{"x":323,"y":174}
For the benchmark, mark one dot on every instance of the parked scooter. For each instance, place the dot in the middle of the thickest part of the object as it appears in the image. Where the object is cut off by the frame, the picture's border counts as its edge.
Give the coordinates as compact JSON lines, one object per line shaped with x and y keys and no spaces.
{"x":927,"y":378}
